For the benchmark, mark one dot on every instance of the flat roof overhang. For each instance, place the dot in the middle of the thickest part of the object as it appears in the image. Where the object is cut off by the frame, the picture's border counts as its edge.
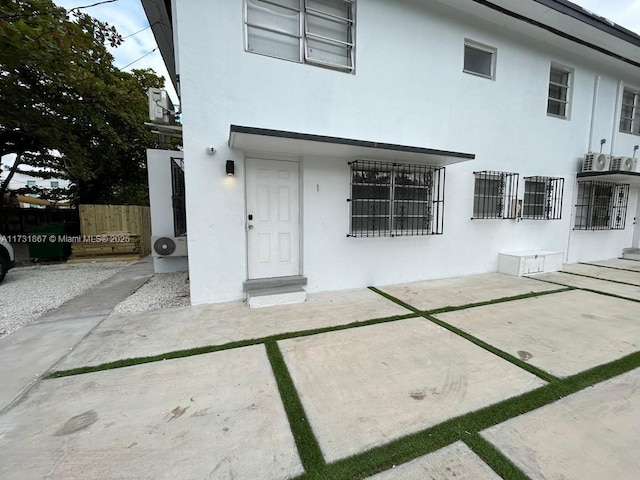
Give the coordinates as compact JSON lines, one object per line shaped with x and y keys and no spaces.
{"x":615,"y":176}
{"x":261,"y":140}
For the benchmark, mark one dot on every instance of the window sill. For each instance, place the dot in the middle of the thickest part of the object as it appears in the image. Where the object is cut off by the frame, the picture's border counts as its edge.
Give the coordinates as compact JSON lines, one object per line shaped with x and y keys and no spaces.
{"x":480,"y":75}
{"x":559,"y":117}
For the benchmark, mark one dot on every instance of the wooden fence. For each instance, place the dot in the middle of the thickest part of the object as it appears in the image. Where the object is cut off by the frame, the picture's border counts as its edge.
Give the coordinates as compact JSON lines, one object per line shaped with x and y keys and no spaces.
{"x":133,"y":219}
{"x":19,"y":221}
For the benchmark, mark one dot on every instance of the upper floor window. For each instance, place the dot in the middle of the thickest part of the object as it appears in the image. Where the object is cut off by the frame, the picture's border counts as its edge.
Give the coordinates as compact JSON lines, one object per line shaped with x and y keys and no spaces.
{"x":31,"y":183}
{"x":55,"y":184}
{"x":479,"y":59}
{"x":390,"y":199}
{"x":559,"y":84}
{"x":318,"y":32}
{"x":630,"y":114}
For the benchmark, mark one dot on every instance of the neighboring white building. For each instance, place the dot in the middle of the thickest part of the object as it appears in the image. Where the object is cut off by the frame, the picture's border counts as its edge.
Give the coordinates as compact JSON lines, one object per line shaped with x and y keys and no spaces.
{"x":21,"y":180}
{"x":343,"y":119}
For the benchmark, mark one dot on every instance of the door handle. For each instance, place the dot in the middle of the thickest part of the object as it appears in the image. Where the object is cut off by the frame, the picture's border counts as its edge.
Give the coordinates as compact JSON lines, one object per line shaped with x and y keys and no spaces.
{"x":250,"y":227}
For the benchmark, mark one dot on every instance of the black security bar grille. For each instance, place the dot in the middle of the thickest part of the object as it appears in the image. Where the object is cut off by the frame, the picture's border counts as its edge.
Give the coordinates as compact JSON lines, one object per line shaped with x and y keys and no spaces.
{"x":601,"y":206}
{"x":495,"y":195}
{"x":391,"y":199}
{"x":178,"y":197}
{"x":543,"y":198}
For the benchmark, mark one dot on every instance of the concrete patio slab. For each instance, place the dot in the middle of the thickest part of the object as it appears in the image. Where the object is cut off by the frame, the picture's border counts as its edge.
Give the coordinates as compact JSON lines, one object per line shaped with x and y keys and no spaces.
{"x":455,"y":462}
{"x":209,"y":416}
{"x":563,"y":334}
{"x":161,"y":331}
{"x":366,"y":386}
{"x":28,"y":353}
{"x":451,"y":292}
{"x":618,"y":263}
{"x":603,"y":273}
{"x":627,"y":291}
{"x":590,"y":435}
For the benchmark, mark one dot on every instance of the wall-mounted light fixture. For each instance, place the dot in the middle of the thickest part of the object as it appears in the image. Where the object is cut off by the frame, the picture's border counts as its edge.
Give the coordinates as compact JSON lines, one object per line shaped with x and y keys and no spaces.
{"x":635,"y":150}
{"x":602,"y":142}
{"x":231,"y":168}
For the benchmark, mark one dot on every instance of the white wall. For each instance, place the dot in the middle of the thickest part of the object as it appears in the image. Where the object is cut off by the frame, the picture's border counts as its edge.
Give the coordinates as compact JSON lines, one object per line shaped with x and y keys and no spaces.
{"x":408,"y":89}
{"x":159,"y":172}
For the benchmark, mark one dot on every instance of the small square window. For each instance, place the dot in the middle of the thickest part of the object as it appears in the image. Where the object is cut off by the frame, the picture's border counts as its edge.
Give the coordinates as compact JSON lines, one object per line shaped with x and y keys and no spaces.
{"x":559,"y":94}
{"x":630,"y":112}
{"x":55,"y":184}
{"x":494,"y":195}
{"x":479,"y":59}
{"x":31,"y":183}
{"x":543,"y":198}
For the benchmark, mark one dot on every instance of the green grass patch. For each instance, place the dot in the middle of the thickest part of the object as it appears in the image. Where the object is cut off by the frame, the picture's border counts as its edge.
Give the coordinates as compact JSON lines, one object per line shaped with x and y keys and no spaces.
{"x":496,"y":351}
{"x":613,"y":268}
{"x":128,"y":362}
{"x":493,"y":457}
{"x":602,"y":279}
{"x":308,"y":448}
{"x":499,"y":300}
{"x":466,"y":428}
{"x":490,"y":348}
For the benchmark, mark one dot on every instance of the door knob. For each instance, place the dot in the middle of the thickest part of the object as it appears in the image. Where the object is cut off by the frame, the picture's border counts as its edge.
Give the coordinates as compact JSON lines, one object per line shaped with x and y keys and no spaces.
{"x":250,"y":227}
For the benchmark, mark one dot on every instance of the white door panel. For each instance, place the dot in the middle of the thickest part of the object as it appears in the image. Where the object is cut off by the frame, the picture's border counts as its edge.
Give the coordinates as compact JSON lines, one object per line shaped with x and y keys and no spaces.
{"x":273,"y":218}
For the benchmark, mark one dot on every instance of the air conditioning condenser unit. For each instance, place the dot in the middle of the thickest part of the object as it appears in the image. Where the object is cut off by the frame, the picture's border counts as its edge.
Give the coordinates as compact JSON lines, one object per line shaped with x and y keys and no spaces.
{"x":169,"y":246}
{"x":596,"y":162}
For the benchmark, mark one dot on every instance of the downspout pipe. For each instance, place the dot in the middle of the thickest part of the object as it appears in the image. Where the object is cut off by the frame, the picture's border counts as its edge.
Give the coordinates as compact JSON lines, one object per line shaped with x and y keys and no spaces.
{"x":594,"y":109}
{"x":616,"y":116}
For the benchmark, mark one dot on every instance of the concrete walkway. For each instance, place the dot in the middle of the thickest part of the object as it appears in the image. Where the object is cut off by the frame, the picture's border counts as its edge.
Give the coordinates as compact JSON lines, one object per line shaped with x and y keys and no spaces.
{"x":222,"y":415}
{"x":31,"y":351}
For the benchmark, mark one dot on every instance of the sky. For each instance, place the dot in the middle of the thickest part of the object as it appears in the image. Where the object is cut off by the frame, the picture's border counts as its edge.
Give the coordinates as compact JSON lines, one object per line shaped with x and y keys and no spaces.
{"x":128,"y":17}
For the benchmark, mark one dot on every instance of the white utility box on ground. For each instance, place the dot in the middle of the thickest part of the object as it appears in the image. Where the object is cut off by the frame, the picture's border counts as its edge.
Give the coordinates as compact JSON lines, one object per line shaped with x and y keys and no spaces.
{"x":533,"y":261}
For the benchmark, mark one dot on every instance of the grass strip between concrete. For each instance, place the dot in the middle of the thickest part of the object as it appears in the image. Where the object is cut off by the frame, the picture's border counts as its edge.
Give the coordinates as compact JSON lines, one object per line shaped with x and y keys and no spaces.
{"x":468,"y":305}
{"x":128,"y":362}
{"x":590,"y":290}
{"x":482,"y":344}
{"x":493,"y":457}
{"x":466,"y":428}
{"x":308,"y":448}
{"x":611,"y":268}
{"x":601,"y":279}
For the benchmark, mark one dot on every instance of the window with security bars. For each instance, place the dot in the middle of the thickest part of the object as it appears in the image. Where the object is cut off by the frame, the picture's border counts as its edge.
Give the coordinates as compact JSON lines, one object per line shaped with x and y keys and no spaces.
{"x":630,"y":112}
{"x":390,"y":199}
{"x":558,"y":100}
{"x":495,"y":195}
{"x":601,"y":206}
{"x":178,"y":197}
{"x":542,"y":198}
{"x":318,"y":32}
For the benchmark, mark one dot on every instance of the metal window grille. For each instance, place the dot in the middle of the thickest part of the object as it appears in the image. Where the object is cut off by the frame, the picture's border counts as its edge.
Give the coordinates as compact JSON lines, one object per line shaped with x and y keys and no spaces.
{"x":543,"y":198}
{"x":390,"y":199}
{"x":558,"y":99}
{"x":630,"y":112}
{"x":601,"y":206}
{"x":495,"y":195}
{"x":318,"y":32}
{"x":178,"y":197}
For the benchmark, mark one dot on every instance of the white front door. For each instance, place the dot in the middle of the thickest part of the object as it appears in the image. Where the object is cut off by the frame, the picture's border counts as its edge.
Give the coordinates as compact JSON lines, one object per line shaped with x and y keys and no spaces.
{"x":273,"y":218}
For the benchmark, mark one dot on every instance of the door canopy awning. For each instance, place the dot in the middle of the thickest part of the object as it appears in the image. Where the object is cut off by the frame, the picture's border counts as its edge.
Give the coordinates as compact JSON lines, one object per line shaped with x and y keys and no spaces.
{"x":261,"y":140}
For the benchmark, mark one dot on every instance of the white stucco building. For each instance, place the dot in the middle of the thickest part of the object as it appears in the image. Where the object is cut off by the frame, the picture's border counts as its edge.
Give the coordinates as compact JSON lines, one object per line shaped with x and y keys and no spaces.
{"x":377,"y":142}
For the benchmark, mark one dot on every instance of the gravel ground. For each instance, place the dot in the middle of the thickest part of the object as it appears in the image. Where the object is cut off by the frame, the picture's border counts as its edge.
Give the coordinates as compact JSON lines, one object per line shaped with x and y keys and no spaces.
{"x":28,"y":292}
{"x":164,"y":290}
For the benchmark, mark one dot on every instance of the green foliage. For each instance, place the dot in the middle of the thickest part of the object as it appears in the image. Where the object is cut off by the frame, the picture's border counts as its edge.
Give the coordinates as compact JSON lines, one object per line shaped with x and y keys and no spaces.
{"x":66,"y":108}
